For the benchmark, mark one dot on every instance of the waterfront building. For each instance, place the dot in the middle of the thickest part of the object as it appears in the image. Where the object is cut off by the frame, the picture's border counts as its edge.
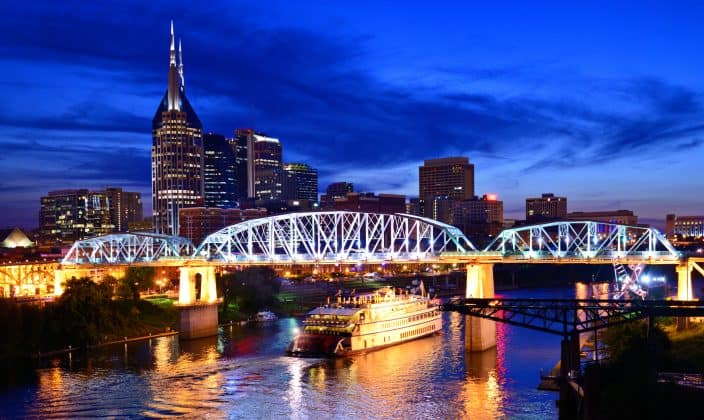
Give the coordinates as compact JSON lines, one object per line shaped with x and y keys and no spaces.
{"x":480,"y":216}
{"x":684,"y":226}
{"x":300,"y":182}
{"x":177,"y":151}
{"x":369,"y":202}
{"x":125,"y":207}
{"x":14,"y":238}
{"x":621,"y":217}
{"x":244,"y":163}
{"x":451,"y":177}
{"x":545,"y":208}
{"x":70,"y":215}
{"x":199,"y":222}
{"x":268,"y":171}
{"x":220,"y":171}
{"x":333,"y":191}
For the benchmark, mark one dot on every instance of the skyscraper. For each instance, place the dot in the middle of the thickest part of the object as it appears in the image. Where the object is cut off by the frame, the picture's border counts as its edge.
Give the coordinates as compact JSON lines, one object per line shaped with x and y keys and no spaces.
{"x":545,"y":208}
{"x":451,"y":177}
{"x":479,"y":217}
{"x":300,"y":182}
{"x":125,"y":207}
{"x":70,"y":215}
{"x":333,"y":191}
{"x":268,"y":173}
{"x":177,"y":151}
{"x":244,"y":156}
{"x":219,"y":171}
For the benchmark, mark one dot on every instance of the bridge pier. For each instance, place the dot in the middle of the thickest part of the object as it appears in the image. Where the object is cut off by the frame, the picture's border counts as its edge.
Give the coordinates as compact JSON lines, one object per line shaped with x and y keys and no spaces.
{"x":59,"y":281}
{"x":480,"y":333}
{"x":684,"y":281}
{"x":197,"y":303}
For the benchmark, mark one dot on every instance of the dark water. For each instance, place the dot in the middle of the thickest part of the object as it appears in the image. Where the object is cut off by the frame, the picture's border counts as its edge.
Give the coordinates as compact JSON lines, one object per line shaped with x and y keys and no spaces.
{"x":244,"y":374}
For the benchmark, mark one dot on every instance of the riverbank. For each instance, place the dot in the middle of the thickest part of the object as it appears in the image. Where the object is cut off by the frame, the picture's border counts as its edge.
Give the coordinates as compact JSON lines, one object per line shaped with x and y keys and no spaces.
{"x":125,"y":340}
{"x":86,"y":315}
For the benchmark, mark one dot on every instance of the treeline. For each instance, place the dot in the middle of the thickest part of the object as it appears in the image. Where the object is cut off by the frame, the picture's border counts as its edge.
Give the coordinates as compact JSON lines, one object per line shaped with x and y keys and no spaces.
{"x":86,"y":314}
{"x":248,"y":291}
{"x":626,"y":385}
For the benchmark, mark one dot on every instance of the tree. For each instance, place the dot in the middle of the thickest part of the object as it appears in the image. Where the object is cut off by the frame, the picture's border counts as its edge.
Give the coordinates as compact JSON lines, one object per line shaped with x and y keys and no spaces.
{"x":83,"y":311}
{"x":252,"y":289}
{"x":136,"y":279}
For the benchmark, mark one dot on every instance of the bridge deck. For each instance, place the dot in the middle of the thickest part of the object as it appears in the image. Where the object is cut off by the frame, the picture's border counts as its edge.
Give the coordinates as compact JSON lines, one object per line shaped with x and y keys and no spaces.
{"x":568,"y":316}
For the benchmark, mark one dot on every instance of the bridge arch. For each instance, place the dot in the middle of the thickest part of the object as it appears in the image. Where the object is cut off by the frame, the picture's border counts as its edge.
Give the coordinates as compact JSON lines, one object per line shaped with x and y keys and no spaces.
{"x":583,"y":239}
{"x":127,"y":248}
{"x":333,"y":236}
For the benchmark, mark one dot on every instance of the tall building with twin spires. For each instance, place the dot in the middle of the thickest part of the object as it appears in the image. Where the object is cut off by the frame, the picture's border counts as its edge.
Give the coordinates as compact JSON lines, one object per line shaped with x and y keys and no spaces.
{"x":177,"y":151}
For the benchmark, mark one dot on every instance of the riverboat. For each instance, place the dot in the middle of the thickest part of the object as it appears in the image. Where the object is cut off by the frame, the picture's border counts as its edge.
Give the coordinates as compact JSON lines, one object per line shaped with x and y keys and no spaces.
{"x":367,"y":322}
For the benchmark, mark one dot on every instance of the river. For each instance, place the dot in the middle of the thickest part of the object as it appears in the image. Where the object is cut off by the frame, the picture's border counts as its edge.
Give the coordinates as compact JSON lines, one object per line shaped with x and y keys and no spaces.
{"x":243,"y":373}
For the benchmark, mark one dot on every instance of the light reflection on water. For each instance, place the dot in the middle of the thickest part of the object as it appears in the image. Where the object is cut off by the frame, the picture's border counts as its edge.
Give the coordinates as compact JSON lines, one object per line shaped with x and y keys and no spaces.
{"x":244,"y":373}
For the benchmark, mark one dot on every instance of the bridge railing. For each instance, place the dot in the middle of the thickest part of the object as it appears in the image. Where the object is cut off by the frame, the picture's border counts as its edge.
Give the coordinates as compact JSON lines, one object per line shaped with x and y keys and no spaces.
{"x":371,"y":258}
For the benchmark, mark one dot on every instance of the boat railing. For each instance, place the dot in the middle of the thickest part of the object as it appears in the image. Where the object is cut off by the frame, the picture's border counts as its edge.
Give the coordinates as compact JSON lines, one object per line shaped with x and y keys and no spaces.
{"x":327,"y":323}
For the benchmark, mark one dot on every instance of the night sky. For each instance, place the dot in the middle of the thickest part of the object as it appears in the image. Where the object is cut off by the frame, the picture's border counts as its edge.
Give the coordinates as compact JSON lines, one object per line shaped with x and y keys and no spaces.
{"x":599,"y":102}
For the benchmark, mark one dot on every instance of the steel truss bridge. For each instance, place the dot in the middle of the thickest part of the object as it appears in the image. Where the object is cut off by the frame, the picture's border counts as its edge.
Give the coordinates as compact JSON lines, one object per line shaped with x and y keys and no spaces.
{"x":569,"y":318}
{"x":565,"y":317}
{"x":295,"y":238}
{"x":581,"y":242}
{"x":128,"y":248}
{"x":341,"y":237}
{"x":334,"y":236}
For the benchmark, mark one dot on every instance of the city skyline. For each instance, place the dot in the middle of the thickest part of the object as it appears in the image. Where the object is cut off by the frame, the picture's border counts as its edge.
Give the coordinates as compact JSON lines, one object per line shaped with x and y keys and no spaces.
{"x":365,"y":95}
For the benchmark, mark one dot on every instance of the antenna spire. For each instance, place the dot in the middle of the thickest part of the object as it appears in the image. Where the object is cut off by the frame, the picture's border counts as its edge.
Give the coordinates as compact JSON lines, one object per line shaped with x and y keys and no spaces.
{"x":180,"y":64}
{"x":172,"y":50}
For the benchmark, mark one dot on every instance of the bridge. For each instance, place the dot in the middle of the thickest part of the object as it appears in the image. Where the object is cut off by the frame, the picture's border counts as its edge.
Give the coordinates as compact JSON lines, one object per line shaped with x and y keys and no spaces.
{"x":342,"y":238}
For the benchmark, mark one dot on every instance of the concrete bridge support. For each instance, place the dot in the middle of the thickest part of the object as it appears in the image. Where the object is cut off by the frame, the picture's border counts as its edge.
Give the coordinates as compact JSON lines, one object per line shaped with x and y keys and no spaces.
{"x":197,"y":303}
{"x":480,"y":333}
{"x":684,"y":281}
{"x":59,"y":281}
{"x":684,"y":285}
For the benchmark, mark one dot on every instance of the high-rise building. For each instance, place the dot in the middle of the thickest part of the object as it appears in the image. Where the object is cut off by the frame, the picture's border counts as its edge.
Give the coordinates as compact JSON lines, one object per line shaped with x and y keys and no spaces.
{"x":70,"y":215}
{"x":244,"y":157}
{"x":125,"y":207}
{"x":199,"y":222}
{"x":333,"y":191}
{"x":219,"y":171}
{"x":268,"y":173}
{"x":177,"y":151}
{"x":451,"y":177}
{"x":684,"y":226}
{"x":415,"y":206}
{"x":369,"y":202}
{"x":339,"y":189}
{"x":300,"y":182}
{"x":439,"y":208}
{"x":545,"y":208}
{"x":480,"y":216}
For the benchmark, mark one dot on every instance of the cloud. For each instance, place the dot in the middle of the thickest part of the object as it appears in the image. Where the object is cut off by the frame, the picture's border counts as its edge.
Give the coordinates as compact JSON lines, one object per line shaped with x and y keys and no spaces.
{"x":80,"y":105}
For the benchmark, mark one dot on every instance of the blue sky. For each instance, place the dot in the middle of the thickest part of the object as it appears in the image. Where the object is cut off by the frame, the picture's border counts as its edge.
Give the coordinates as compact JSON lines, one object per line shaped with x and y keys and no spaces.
{"x":599,"y":102}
